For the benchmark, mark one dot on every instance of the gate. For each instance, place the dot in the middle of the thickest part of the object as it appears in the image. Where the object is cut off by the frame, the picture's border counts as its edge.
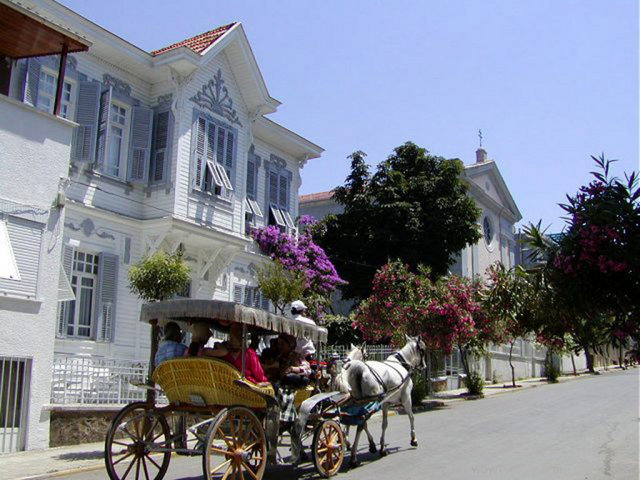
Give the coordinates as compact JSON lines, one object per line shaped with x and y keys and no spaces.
{"x":15,"y":375}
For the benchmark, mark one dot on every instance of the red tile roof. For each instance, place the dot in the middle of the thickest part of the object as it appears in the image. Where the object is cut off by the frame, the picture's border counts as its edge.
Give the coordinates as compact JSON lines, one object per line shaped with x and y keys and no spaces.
{"x":199,"y":43}
{"x":316,"y":197}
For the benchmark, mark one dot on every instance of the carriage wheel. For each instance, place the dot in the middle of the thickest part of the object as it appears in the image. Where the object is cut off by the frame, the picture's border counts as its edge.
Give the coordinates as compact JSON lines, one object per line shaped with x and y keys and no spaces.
{"x":328,"y":448}
{"x":236,"y":446}
{"x":130,"y":442}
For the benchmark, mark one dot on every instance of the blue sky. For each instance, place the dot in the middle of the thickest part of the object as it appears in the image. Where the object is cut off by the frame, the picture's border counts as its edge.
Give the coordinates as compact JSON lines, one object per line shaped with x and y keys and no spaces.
{"x":549,"y":82}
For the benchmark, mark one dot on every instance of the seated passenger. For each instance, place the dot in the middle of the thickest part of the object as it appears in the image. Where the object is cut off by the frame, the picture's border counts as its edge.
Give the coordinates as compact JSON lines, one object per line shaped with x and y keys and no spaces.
{"x":200,"y":334}
{"x":231,"y":352}
{"x":270,"y":365}
{"x":294,"y":369}
{"x":171,"y":346}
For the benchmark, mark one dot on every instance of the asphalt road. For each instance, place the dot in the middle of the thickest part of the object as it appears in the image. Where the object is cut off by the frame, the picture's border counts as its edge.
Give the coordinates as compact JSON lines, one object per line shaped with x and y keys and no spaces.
{"x":586,"y":428}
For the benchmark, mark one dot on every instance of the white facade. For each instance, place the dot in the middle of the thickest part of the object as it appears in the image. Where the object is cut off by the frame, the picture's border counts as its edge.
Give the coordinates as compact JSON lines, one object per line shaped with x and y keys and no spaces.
{"x":160,"y":160}
{"x":34,"y":157}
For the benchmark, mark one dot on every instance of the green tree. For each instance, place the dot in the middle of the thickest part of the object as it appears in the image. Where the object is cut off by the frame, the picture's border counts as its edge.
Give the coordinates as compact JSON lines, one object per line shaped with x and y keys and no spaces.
{"x":510,"y":299}
{"x":280,"y":285}
{"x":153,"y":279}
{"x":159,"y":276}
{"x":415,"y":208}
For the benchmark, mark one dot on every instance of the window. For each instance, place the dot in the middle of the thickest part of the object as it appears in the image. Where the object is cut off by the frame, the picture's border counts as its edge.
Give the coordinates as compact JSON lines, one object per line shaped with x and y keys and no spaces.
{"x":161,"y":148}
{"x":20,"y":245}
{"x":47,"y":94}
{"x":94,"y":282}
{"x":488,"y":230}
{"x":214,"y":157}
{"x":8,"y":266}
{"x":117,"y":140}
{"x":250,"y":296}
{"x":79,"y":312}
{"x":279,"y":191}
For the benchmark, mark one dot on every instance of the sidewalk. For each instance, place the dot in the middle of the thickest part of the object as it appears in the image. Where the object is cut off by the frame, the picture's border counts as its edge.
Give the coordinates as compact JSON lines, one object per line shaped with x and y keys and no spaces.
{"x":53,"y":462}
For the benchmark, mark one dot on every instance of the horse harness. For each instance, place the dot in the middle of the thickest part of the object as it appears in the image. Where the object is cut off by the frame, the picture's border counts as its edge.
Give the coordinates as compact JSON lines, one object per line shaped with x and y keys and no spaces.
{"x":402,"y":362}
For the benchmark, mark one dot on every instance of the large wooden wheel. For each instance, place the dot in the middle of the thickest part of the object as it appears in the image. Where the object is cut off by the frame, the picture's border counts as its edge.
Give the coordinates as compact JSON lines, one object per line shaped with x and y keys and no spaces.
{"x":328,"y":448}
{"x":236,"y":446}
{"x":135,"y":434}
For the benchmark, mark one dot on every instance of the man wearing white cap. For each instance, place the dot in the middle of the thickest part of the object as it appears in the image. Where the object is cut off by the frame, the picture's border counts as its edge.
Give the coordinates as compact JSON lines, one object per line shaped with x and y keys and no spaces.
{"x":304,"y":346}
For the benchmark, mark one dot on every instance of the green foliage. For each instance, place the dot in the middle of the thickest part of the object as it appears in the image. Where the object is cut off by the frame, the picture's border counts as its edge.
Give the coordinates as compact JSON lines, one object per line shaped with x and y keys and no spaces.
{"x":414,"y":207}
{"x":341,"y":331}
{"x":420,"y":388}
{"x":280,"y":285}
{"x":159,"y":276}
{"x":474,"y":383}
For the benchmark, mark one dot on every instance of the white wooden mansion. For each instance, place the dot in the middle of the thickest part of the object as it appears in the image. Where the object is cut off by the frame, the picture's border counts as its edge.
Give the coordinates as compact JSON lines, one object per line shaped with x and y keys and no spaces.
{"x":172,"y":150}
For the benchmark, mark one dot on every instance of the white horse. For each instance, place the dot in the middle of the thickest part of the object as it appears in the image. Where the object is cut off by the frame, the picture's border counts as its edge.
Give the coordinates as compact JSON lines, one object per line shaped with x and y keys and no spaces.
{"x":340,"y":383}
{"x":390,"y":381}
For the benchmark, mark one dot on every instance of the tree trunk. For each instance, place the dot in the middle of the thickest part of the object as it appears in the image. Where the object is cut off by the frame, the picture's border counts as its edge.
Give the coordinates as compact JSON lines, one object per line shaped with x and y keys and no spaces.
{"x":513,"y":370}
{"x":589,"y":357}
{"x":573,"y":364}
{"x":464,"y":360}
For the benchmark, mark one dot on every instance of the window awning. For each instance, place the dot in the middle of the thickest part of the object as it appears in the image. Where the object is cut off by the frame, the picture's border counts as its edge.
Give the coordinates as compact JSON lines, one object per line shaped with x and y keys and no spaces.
{"x":24,"y":32}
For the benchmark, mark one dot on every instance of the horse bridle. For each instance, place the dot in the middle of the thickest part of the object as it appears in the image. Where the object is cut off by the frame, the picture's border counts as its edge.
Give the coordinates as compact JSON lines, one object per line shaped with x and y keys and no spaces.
{"x":405,"y":364}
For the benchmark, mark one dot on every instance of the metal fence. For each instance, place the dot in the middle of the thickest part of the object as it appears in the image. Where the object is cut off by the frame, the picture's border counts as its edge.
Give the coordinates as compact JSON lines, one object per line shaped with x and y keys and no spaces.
{"x":374,"y":352}
{"x":15,"y":378}
{"x":96,"y":381}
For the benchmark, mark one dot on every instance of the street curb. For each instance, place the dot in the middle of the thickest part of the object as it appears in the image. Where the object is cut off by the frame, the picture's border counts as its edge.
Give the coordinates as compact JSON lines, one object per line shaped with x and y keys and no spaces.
{"x":60,"y":473}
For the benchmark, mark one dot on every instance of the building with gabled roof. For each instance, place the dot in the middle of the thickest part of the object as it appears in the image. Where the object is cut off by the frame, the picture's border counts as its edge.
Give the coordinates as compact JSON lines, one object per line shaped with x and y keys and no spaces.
{"x":169,"y":150}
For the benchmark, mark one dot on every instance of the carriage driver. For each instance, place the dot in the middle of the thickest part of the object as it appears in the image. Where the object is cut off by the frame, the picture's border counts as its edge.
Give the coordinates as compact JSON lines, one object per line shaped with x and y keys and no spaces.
{"x":304,"y":347}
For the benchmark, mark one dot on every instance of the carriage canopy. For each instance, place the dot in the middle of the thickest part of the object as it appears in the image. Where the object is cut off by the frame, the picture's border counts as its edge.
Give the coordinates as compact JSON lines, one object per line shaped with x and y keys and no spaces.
{"x":219,"y":314}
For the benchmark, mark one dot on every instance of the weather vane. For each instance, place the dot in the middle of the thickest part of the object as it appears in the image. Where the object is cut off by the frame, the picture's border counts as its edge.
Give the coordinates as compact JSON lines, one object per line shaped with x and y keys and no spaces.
{"x":480,"y":137}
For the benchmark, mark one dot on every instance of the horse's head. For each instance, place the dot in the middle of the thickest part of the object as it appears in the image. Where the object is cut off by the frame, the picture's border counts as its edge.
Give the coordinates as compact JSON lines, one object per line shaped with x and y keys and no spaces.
{"x":418,"y":350}
{"x":357,"y":352}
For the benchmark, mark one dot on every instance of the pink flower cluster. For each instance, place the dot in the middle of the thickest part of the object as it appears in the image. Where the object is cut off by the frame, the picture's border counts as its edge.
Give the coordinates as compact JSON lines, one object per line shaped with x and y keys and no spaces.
{"x":445,"y":313}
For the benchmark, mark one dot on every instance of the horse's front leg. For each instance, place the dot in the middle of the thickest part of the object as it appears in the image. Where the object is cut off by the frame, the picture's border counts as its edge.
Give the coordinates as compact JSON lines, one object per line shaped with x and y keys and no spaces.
{"x":408,"y":407}
{"x":353,"y":462}
{"x":372,"y":443}
{"x":385,"y":411}
{"x":346,"y":437}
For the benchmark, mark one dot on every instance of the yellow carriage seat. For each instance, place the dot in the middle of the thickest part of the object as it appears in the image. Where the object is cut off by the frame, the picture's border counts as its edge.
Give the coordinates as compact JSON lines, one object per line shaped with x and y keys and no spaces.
{"x":206,"y":381}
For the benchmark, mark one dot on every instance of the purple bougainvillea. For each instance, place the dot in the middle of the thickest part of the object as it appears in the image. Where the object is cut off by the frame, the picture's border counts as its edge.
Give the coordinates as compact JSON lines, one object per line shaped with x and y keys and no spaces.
{"x":300,"y":254}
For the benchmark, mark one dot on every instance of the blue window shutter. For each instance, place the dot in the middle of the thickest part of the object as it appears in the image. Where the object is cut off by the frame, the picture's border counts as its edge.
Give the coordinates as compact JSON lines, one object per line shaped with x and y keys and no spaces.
{"x":83,"y":145}
{"x":33,"y":82}
{"x":18,"y":86}
{"x":237,"y":293}
{"x":140,"y":144}
{"x":67,"y":264}
{"x":221,"y":145}
{"x":107,"y":293}
{"x":228,"y":157}
{"x":273,"y":188}
{"x":26,"y":238}
{"x":199,"y":160}
{"x":161,"y":147}
{"x":251,"y":177}
{"x":103,"y":128}
{"x":210,"y":175}
{"x":283,"y":200}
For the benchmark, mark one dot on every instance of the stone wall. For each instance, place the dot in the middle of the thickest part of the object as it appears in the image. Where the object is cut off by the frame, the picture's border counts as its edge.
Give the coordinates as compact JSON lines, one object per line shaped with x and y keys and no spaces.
{"x":73,"y":427}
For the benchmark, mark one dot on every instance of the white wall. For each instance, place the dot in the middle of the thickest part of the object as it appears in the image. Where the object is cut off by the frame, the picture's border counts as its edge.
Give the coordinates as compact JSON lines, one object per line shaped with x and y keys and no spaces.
{"x":34,"y":154}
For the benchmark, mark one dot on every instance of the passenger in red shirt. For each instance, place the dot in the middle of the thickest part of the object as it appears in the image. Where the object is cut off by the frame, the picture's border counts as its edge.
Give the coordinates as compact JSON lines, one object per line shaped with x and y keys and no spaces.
{"x":231,"y":352}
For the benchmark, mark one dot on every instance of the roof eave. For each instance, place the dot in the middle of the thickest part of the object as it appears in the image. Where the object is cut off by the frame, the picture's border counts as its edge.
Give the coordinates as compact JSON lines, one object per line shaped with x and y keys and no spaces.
{"x":288,"y":141}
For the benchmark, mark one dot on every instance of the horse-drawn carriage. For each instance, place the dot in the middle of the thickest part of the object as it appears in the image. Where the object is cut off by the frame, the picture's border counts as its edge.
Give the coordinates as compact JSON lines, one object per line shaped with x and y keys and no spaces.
{"x":215,"y":412}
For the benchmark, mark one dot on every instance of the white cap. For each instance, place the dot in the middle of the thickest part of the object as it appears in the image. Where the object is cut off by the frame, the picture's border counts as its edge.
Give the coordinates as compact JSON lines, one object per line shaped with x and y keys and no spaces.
{"x":298,"y":305}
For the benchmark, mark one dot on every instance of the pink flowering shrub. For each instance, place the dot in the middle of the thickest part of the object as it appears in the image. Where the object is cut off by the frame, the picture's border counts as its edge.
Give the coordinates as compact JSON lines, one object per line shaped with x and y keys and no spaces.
{"x":446,"y":313}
